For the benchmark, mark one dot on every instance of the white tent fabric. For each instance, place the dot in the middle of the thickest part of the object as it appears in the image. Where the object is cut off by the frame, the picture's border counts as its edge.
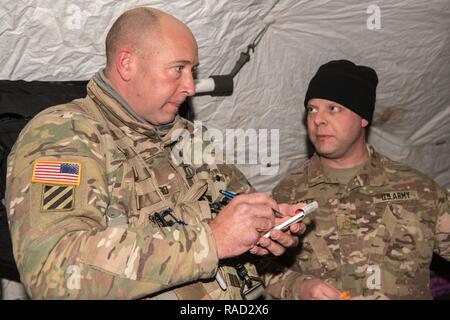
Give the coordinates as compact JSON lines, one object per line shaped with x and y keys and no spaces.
{"x":407,"y":42}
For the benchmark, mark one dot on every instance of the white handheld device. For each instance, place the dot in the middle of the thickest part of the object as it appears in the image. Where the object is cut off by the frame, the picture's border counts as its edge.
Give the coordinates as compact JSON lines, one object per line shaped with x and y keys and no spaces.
{"x":298,"y":217}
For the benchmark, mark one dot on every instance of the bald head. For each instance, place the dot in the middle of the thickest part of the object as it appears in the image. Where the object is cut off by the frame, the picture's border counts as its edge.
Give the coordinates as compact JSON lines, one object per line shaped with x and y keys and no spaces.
{"x":151,"y":56}
{"x":132,"y":30}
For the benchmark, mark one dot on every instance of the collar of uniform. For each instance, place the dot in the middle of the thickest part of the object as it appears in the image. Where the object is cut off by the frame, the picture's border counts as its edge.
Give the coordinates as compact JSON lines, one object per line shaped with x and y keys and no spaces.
{"x":176,"y":131}
{"x":108,"y":88}
{"x":315,"y":172}
{"x":371,"y":174}
{"x":116,"y":112}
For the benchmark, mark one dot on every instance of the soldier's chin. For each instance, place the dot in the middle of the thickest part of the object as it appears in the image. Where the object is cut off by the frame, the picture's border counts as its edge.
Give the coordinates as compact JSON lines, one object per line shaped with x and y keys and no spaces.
{"x":162,"y":119}
{"x":327,"y":153}
{"x":168,"y":117}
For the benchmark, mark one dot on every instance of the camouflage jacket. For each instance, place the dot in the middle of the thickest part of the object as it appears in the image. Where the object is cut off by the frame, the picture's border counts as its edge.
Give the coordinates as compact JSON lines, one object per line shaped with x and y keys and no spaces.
{"x":373,"y":237}
{"x":88,"y":230}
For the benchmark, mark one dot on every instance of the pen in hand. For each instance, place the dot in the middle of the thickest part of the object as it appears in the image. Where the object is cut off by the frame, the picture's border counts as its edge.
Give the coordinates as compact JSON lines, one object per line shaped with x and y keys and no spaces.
{"x":232,"y":195}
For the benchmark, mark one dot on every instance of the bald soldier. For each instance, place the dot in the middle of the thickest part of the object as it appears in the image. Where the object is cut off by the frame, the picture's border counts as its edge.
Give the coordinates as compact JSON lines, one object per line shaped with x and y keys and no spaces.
{"x":378,"y":221}
{"x":98,"y":208}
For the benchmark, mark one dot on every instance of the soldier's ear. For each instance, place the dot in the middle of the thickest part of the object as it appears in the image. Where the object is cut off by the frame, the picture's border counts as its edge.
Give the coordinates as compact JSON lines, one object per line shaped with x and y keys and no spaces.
{"x":124,"y":63}
{"x":364,"y":123}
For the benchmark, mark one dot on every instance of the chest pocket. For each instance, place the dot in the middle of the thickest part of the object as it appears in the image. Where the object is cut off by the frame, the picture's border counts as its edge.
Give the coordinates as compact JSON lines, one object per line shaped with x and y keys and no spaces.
{"x":411,"y":239}
{"x":405,"y":246}
{"x":133,"y":192}
{"x":168,"y":179}
{"x":122,"y":205}
{"x":316,"y":256}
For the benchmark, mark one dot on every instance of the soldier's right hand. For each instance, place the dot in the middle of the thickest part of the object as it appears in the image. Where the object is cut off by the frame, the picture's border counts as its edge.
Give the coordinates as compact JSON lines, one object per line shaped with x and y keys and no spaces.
{"x":315,"y":289}
{"x":239,"y":225}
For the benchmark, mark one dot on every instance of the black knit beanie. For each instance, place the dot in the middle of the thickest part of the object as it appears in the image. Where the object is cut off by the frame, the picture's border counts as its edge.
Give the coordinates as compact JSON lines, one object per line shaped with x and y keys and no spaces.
{"x":350,"y":85}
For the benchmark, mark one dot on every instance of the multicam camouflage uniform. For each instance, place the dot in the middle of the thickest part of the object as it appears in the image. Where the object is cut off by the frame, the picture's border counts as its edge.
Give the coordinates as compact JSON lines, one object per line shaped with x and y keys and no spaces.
{"x":95,"y":239}
{"x":373,"y":237}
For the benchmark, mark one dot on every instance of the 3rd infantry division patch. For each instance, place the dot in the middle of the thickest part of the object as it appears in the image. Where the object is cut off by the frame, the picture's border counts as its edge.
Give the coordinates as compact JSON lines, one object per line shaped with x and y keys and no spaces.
{"x":58,"y":198}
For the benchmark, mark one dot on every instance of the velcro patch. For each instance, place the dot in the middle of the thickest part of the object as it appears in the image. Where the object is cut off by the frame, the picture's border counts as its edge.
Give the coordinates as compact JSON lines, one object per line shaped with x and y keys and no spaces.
{"x":57,"y":198}
{"x":57,"y":172}
{"x":396,"y":196}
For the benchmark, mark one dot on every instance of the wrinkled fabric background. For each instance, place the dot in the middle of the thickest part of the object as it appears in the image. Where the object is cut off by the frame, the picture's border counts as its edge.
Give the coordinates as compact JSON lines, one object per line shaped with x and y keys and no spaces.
{"x":64,"y":40}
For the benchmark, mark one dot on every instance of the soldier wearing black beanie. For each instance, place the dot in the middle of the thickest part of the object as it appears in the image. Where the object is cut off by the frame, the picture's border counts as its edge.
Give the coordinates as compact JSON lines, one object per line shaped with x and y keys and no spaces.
{"x":350,"y":85}
{"x":368,"y":205}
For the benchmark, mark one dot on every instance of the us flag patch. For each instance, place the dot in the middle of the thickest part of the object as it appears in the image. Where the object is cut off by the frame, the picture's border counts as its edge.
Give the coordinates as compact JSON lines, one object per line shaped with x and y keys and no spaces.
{"x":57,"y":172}
{"x":58,"y":197}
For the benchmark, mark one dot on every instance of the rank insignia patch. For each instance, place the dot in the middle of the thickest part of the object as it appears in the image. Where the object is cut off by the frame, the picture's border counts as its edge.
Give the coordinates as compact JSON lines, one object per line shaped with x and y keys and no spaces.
{"x":57,"y":198}
{"x":57,"y":172}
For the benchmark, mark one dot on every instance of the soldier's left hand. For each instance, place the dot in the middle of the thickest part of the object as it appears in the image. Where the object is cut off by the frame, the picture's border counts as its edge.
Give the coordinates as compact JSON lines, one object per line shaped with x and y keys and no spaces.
{"x":280,"y":240}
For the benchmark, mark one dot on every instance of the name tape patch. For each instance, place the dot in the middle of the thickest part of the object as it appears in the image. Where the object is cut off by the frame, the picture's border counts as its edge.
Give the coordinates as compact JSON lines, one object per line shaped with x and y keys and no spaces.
{"x":396,"y":196}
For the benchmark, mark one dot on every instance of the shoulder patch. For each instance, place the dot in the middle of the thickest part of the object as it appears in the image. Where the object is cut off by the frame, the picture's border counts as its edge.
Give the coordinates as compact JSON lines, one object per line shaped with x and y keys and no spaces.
{"x":57,"y":172}
{"x":57,"y":197}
